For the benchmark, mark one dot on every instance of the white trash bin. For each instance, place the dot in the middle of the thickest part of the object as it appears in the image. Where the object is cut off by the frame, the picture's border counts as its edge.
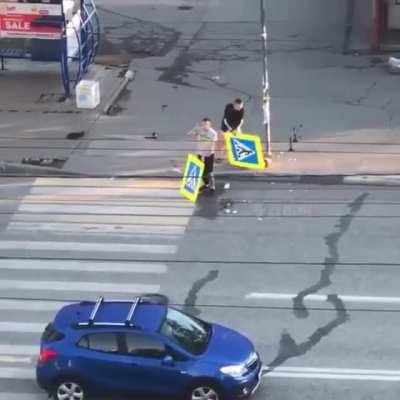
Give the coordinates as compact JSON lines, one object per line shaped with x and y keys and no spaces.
{"x":88,"y":94}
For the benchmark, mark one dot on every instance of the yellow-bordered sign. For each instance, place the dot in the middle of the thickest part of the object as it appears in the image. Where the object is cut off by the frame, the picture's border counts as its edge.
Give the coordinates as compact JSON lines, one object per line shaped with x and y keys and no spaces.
{"x":192,"y":178}
{"x":245,"y":150}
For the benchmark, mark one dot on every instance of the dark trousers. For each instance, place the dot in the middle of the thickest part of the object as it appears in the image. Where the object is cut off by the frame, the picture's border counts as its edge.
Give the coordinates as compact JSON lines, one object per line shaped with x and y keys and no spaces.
{"x":208,"y":174}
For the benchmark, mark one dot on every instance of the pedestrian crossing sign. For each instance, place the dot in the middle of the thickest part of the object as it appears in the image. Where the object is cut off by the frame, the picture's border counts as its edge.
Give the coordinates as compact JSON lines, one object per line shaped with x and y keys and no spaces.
{"x":245,"y":150}
{"x":192,"y":177}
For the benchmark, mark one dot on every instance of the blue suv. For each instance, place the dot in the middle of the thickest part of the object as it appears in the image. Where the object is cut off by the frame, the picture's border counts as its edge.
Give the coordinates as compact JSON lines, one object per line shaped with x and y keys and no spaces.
{"x":145,"y":348}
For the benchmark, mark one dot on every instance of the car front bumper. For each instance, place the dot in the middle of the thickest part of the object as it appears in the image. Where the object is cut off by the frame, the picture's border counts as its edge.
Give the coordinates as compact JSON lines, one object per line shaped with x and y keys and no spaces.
{"x":244,"y":387}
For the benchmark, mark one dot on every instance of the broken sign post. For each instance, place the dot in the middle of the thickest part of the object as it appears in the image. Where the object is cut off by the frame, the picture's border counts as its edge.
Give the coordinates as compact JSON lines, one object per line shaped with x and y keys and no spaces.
{"x":192,"y":177}
{"x":245,"y":150}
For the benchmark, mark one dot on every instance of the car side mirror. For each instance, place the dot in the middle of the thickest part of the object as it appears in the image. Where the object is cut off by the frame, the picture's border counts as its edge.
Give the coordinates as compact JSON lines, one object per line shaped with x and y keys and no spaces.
{"x":168,"y":361}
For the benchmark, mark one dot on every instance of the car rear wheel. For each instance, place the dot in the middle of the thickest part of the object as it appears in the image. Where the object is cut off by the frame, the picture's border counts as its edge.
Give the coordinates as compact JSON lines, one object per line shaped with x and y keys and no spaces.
{"x":204,"y":392}
{"x":69,"y":390}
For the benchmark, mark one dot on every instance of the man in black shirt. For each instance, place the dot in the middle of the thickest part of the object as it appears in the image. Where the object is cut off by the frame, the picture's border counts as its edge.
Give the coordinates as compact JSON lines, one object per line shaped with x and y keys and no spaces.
{"x":232,"y":121}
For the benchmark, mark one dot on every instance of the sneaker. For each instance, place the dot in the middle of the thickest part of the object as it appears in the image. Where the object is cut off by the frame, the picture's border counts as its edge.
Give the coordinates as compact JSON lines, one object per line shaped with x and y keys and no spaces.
{"x":203,"y":188}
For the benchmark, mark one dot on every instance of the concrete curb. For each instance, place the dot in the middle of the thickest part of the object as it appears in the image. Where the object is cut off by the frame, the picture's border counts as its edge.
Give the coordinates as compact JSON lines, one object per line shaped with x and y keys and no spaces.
{"x":129,"y":77}
{"x":388,"y":180}
{"x":16,"y":169}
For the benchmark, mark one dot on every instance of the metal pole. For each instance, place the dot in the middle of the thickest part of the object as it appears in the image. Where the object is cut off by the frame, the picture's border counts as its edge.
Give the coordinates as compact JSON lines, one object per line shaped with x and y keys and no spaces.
{"x":266,"y":86}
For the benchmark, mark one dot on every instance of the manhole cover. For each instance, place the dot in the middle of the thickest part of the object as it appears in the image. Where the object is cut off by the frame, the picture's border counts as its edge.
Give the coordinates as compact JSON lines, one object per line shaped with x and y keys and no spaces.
{"x":185,"y":8}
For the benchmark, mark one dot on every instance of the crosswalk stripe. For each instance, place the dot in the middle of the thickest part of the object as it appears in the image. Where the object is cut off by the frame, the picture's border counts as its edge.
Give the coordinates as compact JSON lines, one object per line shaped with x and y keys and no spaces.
{"x":106,"y":191}
{"x":100,"y":209}
{"x":19,"y":350}
{"x":88,"y":246}
{"x":16,"y":359}
{"x":97,"y":228}
{"x":129,"y":183}
{"x":100,"y":200}
{"x":11,"y":326}
{"x":16,"y":373}
{"x":73,"y":286}
{"x":31,"y":305}
{"x":104,"y":219}
{"x":21,"y":396}
{"x":78,"y":265}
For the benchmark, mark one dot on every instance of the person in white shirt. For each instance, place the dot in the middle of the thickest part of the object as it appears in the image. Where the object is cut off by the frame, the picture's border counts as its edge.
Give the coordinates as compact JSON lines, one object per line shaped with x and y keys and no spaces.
{"x":206,"y":138}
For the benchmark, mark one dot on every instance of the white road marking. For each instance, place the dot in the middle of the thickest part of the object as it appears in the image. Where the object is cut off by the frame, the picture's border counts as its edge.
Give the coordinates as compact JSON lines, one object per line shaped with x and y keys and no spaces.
{"x":334,"y":373}
{"x":73,"y":286}
{"x":323,"y":298}
{"x":109,"y":191}
{"x":150,"y":220}
{"x":19,"y":350}
{"x":22,"y":396}
{"x":18,"y":374}
{"x":46,"y":129}
{"x":87,"y":246}
{"x":149,"y":184}
{"x":98,"y":229}
{"x":31,"y":305}
{"x":83,"y":266}
{"x":15,"y":359}
{"x":107,"y":209}
{"x":11,"y":326}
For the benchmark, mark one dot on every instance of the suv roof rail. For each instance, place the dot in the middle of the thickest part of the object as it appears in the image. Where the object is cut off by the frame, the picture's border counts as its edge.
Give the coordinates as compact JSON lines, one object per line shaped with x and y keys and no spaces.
{"x":151,"y":298}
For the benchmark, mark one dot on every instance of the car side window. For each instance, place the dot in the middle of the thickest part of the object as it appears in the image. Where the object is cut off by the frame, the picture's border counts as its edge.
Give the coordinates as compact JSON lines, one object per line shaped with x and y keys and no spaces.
{"x":105,"y":342}
{"x":144,"y":346}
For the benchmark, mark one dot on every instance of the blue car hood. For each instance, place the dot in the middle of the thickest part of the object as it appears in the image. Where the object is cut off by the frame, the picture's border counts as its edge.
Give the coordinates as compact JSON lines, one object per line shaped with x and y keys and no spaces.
{"x":227,"y":346}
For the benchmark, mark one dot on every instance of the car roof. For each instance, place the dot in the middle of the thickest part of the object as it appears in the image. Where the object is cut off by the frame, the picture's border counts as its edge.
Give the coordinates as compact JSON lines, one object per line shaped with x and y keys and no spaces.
{"x":147,"y":316}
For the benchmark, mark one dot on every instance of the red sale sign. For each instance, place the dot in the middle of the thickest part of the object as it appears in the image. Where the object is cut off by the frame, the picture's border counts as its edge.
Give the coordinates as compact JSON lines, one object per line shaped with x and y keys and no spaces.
{"x":30,"y":21}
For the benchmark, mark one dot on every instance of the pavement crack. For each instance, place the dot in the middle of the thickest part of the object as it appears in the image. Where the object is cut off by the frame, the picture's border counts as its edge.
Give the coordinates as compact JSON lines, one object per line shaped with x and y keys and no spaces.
{"x":191,"y":299}
{"x":332,"y":241}
{"x":289,"y":348}
{"x":368,"y":92}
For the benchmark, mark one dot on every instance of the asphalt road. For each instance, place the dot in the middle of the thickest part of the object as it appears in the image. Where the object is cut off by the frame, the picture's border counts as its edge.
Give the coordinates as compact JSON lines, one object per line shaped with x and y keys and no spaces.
{"x":308,"y":271}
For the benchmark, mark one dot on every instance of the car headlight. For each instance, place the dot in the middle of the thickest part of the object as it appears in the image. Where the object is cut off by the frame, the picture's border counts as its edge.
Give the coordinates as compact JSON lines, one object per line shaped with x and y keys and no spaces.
{"x":252,"y":358}
{"x":235,"y":371}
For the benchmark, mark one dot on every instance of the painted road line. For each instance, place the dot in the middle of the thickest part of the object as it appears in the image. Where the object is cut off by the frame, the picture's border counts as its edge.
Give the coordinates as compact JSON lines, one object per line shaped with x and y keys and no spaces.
{"x":333,"y":374}
{"x":324,"y":298}
{"x":108,"y":191}
{"x":74,"y":286}
{"x":83,"y":266}
{"x":18,"y":350}
{"x":129,"y":183}
{"x":18,"y":374}
{"x":87,"y":247}
{"x":22,"y":396}
{"x":349,"y":371}
{"x":102,"y":209}
{"x":16,"y":359}
{"x":174,"y":230}
{"x":99,"y":200}
{"x":31,"y":305}
{"x":11,"y":326}
{"x":104,"y":219}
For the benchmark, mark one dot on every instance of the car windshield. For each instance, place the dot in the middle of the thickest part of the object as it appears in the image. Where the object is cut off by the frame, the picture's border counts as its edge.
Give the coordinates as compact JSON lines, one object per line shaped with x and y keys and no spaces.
{"x":190,"y":333}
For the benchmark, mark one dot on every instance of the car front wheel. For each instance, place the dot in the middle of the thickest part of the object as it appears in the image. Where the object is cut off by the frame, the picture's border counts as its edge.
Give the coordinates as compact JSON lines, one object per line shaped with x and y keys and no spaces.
{"x":69,"y":390}
{"x":204,"y":392}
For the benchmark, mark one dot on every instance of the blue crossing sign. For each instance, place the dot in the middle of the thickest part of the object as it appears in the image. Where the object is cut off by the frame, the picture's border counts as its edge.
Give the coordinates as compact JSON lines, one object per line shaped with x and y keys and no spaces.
{"x":192,"y":178}
{"x":245,"y":150}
